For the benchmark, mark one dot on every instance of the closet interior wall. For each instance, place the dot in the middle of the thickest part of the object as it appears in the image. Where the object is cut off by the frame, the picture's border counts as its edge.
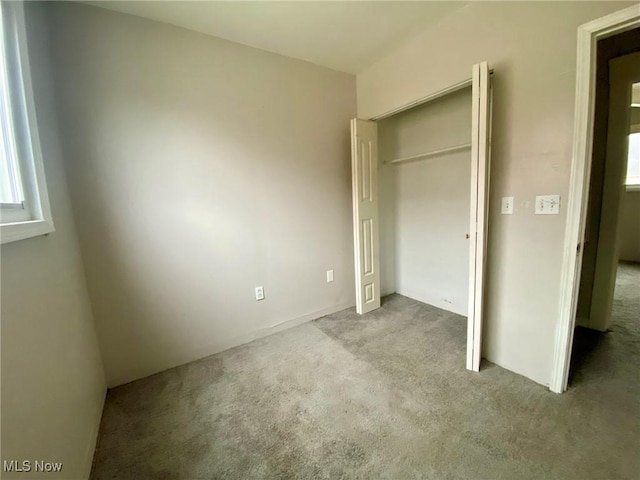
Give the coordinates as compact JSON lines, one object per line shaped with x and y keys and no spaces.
{"x":424,"y":204}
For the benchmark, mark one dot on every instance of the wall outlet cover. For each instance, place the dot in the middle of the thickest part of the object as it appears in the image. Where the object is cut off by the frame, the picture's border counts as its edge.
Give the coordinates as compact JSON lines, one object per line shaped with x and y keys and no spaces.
{"x":259,"y":293}
{"x":329,"y":276}
{"x":507,"y":206}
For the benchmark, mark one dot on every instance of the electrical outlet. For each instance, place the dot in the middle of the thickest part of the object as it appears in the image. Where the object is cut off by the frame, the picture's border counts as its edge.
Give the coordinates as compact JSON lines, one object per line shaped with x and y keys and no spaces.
{"x":259,"y":293}
{"x":547,"y":205}
{"x":507,"y":206}
{"x":329,"y":276}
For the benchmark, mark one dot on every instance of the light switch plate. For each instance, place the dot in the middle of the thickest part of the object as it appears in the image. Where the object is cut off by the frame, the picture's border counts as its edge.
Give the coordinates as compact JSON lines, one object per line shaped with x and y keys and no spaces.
{"x":507,"y":206}
{"x":259,"y":293}
{"x":329,"y":276}
{"x":547,"y":204}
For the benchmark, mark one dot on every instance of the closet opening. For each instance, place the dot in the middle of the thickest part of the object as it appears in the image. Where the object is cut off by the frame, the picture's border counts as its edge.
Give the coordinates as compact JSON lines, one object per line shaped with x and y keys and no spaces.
{"x":420,"y":185}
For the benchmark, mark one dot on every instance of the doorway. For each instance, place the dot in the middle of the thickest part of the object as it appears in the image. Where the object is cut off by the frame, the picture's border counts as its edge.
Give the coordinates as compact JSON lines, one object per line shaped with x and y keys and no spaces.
{"x":424,"y":138}
{"x":613,"y":183}
{"x":610,"y":278}
{"x":582,"y":194}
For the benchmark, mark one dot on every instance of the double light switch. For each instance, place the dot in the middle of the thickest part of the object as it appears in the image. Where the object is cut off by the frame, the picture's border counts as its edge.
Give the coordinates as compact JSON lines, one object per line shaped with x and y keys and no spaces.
{"x":547,"y":204}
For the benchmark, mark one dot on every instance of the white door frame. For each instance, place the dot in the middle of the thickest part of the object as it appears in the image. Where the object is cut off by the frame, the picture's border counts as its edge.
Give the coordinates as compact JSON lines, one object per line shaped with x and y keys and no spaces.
{"x":481,"y":154}
{"x":588,"y":36}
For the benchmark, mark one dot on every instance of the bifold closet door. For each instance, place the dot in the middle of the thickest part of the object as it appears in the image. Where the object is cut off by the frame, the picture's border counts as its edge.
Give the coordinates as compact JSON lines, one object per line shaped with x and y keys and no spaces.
{"x":480,"y":162}
{"x":364,"y":164}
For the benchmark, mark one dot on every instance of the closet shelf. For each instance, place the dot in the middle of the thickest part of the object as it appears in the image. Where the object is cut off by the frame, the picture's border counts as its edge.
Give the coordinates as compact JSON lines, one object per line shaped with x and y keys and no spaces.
{"x":433,"y":153}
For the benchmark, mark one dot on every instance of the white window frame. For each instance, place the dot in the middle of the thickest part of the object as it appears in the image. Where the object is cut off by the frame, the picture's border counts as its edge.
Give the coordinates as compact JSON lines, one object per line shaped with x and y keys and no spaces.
{"x":32,"y":217}
{"x":635,"y":185}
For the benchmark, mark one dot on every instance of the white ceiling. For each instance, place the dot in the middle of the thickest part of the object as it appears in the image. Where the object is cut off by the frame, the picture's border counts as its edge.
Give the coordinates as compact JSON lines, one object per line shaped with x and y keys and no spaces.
{"x":342,"y":35}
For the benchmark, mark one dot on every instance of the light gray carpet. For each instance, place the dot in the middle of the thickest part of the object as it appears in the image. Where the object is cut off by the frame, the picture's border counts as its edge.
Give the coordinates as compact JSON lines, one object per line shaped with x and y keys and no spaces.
{"x":385,"y":395}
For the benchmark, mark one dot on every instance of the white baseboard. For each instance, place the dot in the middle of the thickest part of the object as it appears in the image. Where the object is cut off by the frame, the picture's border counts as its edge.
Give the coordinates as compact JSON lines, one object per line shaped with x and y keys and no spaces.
{"x":457,"y":309}
{"x":294,"y":322}
{"x":226,"y":343}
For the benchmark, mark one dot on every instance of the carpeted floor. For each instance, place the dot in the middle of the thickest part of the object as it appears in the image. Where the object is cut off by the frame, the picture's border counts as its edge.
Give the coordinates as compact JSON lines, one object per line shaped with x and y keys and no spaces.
{"x":385,"y":395}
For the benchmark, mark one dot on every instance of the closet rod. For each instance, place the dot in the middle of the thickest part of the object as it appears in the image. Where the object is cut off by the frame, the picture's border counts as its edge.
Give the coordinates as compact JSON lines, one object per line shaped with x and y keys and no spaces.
{"x":422,"y":156}
{"x":441,"y":93}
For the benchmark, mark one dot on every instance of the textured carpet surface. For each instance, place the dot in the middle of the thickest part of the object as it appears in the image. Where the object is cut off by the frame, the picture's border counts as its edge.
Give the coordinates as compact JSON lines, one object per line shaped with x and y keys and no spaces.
{"x":385,"y":395}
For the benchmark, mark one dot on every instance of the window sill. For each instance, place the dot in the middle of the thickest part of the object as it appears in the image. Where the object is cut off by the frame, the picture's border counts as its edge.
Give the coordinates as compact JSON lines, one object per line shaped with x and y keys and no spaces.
{"x":632,"y":188}
{"x":12,"y":232}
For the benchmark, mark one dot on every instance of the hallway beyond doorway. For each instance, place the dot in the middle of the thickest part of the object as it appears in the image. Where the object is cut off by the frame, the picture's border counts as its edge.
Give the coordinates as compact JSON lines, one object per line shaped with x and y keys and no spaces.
{"x":614,"y":354}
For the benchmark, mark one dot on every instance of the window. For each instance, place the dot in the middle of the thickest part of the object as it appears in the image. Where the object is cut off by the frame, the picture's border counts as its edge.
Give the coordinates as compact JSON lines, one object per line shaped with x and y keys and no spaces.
{"x":24,"y":204}
{"x":633,"y":162}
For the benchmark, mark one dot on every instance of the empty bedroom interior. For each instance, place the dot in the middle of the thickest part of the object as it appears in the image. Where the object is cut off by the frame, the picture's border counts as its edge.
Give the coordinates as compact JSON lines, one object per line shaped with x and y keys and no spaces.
{"x":197,"y":152}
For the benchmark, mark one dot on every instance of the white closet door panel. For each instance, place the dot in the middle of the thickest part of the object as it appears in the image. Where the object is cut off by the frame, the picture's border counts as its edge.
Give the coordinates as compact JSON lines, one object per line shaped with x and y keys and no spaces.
{"x":480,"y":163}
{"x":364,"y":161}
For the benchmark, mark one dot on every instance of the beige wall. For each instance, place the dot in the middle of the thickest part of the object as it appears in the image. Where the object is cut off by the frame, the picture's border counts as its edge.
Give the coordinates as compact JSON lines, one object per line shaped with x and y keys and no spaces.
{"x":629,"y":241}
{"x":532,"y":47}
{"x":53,"y":383}
{"x":387,"y":205}
{"x":425,"y":203}
{"x":200,"y":169}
